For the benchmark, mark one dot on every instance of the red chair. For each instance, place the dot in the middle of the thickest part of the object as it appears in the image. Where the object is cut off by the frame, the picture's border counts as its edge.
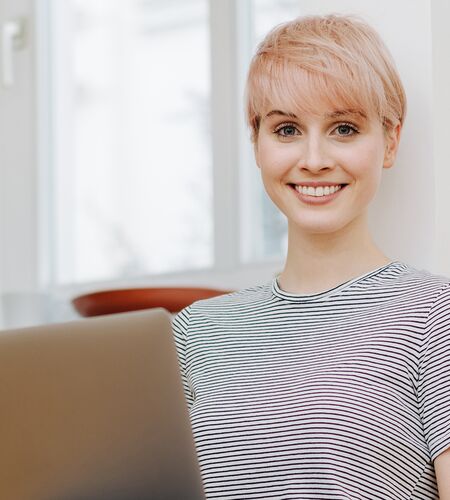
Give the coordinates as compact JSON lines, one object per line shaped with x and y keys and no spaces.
{"x":115,"y":301}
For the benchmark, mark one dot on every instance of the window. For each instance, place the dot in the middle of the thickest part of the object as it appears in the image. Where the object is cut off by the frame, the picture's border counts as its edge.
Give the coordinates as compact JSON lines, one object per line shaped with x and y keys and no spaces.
{"x":132,"y":165}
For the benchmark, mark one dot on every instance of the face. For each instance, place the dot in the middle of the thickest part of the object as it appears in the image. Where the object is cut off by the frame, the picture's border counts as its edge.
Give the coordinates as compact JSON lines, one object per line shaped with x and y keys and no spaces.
{"x":337,"y":147}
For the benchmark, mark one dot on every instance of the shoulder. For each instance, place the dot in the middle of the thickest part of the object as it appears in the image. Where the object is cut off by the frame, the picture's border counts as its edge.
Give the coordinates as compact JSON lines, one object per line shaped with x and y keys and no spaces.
{"x":439,"y":313}
{"x":227,"y":307}
{"x":240,"y":300}
{"x":422,"y":285}
{"x":424,"y":296}
{"x":247,"y":295}
{"x":427,"y":297}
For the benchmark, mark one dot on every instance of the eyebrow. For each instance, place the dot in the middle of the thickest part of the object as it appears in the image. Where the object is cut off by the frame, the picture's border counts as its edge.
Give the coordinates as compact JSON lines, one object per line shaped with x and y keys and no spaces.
{"x":346,"y":112}
{"x":333,"y":114}
{"x":282,"y":113}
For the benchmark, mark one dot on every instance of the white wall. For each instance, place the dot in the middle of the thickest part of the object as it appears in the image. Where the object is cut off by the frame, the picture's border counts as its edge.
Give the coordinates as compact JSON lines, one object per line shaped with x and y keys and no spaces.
{"x":440,"y":20}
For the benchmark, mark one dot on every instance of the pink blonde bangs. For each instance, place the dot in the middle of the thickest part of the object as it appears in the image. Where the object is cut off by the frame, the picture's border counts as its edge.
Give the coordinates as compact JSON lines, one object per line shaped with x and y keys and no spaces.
{"x":299,"y":91}
{"x":314,"y":63}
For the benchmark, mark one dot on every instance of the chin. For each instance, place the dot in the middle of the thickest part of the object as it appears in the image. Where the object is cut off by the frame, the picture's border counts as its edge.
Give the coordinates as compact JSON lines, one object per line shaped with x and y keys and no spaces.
{"x":317,"y":227}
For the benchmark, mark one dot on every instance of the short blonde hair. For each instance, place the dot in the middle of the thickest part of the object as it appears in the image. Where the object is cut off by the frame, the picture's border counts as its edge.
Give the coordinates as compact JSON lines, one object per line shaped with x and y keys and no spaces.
{"x":333,"y":59}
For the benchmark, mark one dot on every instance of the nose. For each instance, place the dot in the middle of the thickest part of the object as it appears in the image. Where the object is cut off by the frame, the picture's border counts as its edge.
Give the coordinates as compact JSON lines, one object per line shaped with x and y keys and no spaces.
{"x":314,"y":153}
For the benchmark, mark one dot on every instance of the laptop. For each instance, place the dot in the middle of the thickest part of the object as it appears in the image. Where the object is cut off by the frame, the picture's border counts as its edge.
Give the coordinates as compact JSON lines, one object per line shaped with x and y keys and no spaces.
{"x":94,"y":409}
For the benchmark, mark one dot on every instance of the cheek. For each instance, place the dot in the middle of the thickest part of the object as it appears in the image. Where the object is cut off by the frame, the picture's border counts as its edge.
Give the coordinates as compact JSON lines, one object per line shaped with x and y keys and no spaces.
{"x":368,"y":168}
{"x":275,"y":161}
{"x":274,"y":164}
{"x":367,"y":160}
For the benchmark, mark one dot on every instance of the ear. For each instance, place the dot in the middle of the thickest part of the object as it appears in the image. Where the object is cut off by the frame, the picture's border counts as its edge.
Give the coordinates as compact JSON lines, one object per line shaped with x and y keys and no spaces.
{"x":256,"y":153}
{"x":392,"y":141}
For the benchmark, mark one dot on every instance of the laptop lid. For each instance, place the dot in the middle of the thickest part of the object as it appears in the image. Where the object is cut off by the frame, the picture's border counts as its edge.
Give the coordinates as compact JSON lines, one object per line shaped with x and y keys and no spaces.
{"x":94,"y":409}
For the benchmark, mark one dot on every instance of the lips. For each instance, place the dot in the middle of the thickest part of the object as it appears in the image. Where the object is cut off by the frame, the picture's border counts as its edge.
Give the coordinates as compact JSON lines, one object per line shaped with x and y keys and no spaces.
{"x":319,"y":184}
{"x":317,"y":200}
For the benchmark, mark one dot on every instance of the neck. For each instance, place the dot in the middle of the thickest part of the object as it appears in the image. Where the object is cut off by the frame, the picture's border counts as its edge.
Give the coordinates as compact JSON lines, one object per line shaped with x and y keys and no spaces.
{"x":320,"y":261}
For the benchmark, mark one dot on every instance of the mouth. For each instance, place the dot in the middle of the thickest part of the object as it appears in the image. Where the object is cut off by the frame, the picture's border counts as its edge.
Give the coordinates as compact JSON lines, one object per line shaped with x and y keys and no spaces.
{"x":320,"y":199}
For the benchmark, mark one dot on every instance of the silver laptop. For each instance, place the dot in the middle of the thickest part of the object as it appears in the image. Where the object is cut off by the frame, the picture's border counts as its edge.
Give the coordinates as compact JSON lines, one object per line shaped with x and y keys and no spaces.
{"x":94,"y":410}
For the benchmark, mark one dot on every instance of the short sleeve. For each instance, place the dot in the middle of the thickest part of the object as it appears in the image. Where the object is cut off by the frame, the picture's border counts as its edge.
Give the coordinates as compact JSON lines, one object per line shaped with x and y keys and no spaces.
{"x":180,"y":325}
{"x":434,"y":375}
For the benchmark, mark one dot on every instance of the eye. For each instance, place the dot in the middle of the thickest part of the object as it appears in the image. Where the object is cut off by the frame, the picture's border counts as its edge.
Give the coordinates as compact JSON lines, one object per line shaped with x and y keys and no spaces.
{"x":346,"y":129}
{"x":286,"y":130}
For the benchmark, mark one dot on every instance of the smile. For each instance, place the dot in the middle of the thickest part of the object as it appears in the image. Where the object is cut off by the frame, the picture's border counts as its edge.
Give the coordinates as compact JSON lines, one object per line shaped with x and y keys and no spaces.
{"x":317,"y":196}
{"x":318,"y":191}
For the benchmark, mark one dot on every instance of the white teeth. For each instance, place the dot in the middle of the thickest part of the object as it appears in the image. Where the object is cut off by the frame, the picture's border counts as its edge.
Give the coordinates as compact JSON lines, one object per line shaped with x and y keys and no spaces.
{"x":319,"y":191}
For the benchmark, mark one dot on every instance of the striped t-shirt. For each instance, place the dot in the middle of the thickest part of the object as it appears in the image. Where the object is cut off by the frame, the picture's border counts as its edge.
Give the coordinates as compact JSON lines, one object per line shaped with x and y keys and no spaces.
{"x":343,"y":394}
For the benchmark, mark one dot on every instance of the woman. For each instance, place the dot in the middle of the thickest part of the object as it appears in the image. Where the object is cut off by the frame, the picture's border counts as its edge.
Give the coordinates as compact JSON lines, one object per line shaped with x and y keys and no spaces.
{"x":333,"y":380}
